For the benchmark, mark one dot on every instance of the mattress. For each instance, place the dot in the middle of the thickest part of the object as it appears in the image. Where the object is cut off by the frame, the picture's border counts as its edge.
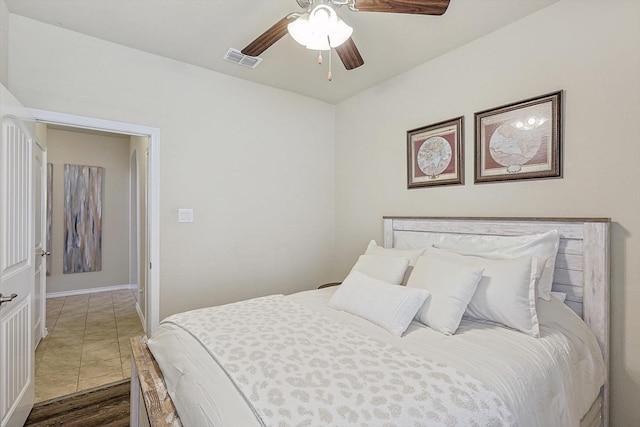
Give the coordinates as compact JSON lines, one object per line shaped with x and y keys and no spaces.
{"x":549,"y":381}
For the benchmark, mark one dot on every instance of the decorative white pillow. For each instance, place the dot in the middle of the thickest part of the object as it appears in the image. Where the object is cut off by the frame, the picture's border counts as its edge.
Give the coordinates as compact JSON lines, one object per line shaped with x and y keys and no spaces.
{"x":506,"y":294}
{"x":374,"y":249}
{"x":544,"y":246}
{"x":413,"y":255}
{"x":451,"y":285}
{"x":388,"y":306}
{"x":386,"y":268}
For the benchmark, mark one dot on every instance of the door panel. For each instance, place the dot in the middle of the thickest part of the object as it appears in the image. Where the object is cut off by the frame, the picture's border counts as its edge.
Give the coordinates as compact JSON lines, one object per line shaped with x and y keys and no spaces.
{"x":17,"y":359}
{"x":16,"y":261}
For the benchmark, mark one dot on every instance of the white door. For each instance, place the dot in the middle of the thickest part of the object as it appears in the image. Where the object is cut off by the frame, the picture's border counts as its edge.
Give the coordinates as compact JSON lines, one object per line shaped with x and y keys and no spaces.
{"x":41,"y":252}
{"x":16,"y":261}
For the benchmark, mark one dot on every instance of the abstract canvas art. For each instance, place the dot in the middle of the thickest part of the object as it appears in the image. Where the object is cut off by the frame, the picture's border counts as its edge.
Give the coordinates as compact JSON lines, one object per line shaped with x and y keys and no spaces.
{"x":82,"y":218}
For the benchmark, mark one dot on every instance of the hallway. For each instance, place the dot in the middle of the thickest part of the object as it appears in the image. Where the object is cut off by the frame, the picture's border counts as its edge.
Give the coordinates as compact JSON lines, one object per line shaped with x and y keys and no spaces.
{"x":88,"y":342}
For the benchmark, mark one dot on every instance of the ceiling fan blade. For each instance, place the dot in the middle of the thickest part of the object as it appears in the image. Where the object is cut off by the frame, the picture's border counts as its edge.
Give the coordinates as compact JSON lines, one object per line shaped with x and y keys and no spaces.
{"x":349,"y":55}
{"x":269,"y":37}
{"x":417,"y":7}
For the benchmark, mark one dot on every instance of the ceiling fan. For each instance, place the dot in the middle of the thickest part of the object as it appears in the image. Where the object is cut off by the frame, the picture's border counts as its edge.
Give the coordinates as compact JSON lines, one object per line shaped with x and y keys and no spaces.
{"x":319,"y":27}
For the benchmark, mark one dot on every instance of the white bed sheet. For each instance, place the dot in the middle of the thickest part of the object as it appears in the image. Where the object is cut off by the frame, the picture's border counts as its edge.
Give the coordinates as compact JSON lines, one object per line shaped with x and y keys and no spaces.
{"x":550,"y":381}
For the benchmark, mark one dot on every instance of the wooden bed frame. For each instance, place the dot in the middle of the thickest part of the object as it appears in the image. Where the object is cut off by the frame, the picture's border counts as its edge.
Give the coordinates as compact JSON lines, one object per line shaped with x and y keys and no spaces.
{"x":582,"y":272}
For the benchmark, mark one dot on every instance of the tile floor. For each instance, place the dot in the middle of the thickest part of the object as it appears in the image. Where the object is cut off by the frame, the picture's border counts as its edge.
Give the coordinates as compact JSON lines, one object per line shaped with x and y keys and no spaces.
{"x":88,"y":342}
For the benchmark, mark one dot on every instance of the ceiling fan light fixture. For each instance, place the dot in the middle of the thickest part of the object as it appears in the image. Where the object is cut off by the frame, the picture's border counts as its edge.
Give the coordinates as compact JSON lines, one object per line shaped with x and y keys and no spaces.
{"x":320,"y":29}
{"x":340,"y":33}
{"x":299,"y":29}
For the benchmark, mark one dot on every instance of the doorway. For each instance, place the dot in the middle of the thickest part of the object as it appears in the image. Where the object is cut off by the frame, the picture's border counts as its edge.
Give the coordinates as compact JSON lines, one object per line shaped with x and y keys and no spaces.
{"x":151,"y":296}
{"x":138,"y":253}
{"x":91,"y":306}
{"x":134,"y":236}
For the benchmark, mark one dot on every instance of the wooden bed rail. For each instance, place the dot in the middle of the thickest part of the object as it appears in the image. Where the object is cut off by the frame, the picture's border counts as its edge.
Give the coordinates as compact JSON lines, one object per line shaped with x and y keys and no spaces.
{"x":150,"y":402}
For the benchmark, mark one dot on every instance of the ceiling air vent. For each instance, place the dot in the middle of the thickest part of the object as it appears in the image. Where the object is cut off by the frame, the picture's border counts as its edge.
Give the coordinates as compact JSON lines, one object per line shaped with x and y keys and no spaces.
{"x":235,"y":56}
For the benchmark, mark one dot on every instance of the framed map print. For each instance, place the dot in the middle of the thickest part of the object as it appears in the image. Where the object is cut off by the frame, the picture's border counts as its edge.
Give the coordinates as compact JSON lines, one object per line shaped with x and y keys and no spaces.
{"x":520,"y":140}
{"x":434,"y":154}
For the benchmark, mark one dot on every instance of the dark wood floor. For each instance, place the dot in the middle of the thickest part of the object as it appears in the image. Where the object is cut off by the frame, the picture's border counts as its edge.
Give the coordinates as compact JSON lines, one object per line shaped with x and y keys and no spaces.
{"x":106,"y":406}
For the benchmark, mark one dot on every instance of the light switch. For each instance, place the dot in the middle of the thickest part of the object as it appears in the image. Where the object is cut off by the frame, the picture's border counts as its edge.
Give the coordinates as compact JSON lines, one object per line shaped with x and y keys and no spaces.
{"x":185,"y":215}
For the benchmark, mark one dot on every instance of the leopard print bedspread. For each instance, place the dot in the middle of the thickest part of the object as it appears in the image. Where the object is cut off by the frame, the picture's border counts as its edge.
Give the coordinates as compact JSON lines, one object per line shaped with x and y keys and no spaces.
{"x":295,"y":367}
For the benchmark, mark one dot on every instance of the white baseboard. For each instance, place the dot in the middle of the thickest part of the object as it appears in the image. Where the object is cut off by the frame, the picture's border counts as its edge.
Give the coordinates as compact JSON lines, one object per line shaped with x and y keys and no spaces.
{"x":141,"y":316}
{"x":91,"y":291}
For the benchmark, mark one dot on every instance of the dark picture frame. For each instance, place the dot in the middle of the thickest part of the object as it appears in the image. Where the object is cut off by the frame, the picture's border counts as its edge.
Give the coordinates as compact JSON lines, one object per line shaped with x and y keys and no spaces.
{"x":522,"y":140}
{"x":435,"y":154}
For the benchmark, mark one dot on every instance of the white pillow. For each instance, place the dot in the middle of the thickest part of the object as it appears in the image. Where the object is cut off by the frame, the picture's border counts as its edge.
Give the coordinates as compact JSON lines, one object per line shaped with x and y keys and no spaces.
{"x":415,"y":239}
{"x":562,"y":296}
{"x":385,"y":268}
{"x":506,"y":294}
{"x":451,"y":285}
{"x":543,"y":246}
{"x":388,"y":306}
{"x":374,"y":249}
{"x":413,"y":255}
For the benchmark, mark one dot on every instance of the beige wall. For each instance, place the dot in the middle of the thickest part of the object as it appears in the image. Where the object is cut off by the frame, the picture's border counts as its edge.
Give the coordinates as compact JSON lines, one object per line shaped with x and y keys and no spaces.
{"x":41,"y":134}
{"x":111,"y":153}
{"x":591,"y":49}
{"x":257,"y":171}
{"x":4,"y":44}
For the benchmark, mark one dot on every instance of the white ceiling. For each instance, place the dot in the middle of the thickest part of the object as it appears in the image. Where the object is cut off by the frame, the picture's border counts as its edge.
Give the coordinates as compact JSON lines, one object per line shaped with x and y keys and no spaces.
{"x":199,"y":32}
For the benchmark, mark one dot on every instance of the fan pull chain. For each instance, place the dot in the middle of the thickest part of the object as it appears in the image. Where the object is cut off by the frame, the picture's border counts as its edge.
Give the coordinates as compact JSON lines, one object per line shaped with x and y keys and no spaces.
{"x":330,"y":75}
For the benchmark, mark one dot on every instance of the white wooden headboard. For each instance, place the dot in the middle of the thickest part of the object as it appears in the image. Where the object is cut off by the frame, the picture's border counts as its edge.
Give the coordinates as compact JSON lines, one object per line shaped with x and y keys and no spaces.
{"x":582,"y":264}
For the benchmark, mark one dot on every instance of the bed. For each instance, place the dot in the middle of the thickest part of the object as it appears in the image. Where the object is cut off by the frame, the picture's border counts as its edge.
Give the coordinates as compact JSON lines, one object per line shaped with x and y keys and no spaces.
{"x":577,"y":395}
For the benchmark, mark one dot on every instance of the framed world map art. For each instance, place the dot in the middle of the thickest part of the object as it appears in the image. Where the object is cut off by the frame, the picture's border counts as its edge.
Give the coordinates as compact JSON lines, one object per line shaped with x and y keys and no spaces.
{"x":434,"y":154}
{"x":522,"y":140}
